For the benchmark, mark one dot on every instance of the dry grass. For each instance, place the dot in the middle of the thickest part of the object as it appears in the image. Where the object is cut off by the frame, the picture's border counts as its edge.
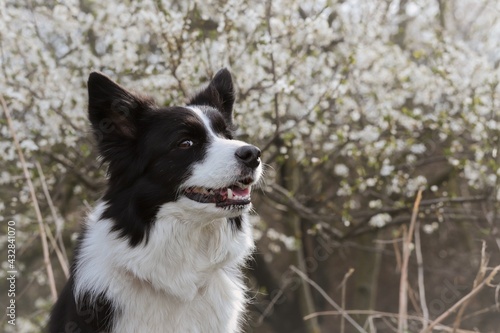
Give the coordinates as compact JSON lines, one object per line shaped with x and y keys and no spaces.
{"x":484,"y":278}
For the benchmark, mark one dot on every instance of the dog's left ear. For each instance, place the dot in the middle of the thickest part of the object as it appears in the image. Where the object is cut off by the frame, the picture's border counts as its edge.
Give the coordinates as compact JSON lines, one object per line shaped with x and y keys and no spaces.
{"x":115,"y":114}
{"x":219,"y":94}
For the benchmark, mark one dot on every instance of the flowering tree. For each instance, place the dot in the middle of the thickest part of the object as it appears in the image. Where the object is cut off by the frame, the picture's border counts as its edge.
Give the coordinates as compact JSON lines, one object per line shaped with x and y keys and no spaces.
{"x":357,"y":105}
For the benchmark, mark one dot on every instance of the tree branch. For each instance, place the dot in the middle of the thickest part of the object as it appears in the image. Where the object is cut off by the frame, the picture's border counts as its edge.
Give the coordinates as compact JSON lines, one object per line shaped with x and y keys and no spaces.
{"x":328,"y":298}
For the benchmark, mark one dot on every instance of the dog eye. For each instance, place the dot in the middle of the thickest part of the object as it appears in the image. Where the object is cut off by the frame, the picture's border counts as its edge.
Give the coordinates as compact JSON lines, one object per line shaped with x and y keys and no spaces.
{"x":186,"y":144}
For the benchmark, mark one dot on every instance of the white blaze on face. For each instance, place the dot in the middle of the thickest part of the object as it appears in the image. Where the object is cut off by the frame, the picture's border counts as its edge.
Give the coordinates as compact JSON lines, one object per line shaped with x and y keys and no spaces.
{"x":220,"y":167}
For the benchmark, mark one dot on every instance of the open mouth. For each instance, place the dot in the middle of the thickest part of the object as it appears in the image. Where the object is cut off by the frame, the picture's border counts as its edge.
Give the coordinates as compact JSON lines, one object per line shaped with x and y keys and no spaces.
{"x":233,"y":196}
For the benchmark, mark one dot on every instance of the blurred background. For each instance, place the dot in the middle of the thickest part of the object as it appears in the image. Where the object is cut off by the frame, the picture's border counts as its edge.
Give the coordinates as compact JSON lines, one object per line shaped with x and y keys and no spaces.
{"x":357,"y":106}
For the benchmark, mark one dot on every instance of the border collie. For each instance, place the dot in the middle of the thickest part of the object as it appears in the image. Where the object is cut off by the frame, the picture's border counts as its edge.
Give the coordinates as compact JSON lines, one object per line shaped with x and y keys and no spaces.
{"x":163,"y":249}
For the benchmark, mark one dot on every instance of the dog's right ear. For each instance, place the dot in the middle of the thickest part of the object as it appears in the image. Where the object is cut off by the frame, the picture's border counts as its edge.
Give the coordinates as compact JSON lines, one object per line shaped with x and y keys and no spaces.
{"x":114,"y":112}
{"x":219,"y":94}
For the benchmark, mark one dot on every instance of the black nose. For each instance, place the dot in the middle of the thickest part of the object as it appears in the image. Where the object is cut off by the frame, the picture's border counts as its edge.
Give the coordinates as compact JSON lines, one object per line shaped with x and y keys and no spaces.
{"x":249,"y":155}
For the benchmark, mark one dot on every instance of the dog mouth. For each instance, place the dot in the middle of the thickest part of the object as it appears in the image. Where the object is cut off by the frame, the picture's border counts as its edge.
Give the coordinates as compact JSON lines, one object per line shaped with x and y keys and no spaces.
{"x":235,"y":196}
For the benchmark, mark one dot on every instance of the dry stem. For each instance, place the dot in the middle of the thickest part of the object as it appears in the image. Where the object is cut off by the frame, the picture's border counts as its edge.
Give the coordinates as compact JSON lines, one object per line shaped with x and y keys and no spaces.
{"x":421,"y":284}
{"x":403,"y":285}
{"x":379,"y":314}
{"x":43,"y":236}
{"x":465,"y":299}
{"x":327,"y":298}
{"x":343,"y":286}
{"x":58,"y":248}
{"x":481,"y":273}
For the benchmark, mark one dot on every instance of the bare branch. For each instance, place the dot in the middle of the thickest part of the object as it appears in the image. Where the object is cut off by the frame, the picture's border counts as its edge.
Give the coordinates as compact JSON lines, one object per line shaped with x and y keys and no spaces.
{"x":58,"y":247}
{"x":466,"y":298}
{"x":421,"y":284}
{"x":304,"y":212}
{"x":343,"y":286}
{"x":403,"y":285}
{"x":327,"y":298}
{"x":479,"y":277}
{"x":379,"y":314}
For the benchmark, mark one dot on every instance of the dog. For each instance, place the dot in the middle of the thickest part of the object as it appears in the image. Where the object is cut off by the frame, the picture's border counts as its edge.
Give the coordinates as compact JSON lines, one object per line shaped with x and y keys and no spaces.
{"x":162,"y":251}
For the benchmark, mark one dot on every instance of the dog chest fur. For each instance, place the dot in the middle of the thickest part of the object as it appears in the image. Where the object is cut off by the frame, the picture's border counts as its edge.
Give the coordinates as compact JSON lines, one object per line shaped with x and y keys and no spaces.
{"x":184,"y":276}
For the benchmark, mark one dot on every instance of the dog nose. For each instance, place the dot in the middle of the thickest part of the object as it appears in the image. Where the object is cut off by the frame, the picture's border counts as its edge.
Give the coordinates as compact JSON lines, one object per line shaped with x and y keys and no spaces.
{"x":249,"y":155}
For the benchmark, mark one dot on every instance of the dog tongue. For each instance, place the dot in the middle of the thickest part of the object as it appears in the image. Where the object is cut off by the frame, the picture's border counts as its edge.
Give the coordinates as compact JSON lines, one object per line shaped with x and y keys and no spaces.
{"x":242,"y":192}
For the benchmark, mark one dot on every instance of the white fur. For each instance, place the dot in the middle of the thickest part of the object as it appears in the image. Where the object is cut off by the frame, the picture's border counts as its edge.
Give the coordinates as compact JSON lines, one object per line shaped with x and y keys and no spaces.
{"x":187,"y":277}
{"x":217,"y":169}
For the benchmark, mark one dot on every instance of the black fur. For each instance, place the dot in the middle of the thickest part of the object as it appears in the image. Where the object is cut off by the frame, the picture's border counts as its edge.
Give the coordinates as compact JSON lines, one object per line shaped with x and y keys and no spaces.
{"x":235,"y":223}
{"x":219,"y":94}
{"x":86,"y":316}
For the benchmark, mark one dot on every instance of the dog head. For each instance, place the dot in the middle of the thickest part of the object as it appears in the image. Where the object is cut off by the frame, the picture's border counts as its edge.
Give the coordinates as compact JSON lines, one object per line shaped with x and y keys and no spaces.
{"x":159,"y":155}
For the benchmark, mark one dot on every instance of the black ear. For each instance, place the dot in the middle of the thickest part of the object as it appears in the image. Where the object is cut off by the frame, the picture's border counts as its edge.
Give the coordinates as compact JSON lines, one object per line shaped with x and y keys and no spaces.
{"x":219,"y":94}
{"x":114,"y":113}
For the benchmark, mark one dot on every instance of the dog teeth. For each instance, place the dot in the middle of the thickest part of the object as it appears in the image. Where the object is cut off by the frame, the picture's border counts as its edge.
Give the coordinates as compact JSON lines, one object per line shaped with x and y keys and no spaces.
{"x":229,"y":193}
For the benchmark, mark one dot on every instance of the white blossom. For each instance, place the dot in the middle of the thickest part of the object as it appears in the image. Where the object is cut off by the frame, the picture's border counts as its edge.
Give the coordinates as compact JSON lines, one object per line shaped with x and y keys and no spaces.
{"x":380,"y":220}
{"x":341,"y":170}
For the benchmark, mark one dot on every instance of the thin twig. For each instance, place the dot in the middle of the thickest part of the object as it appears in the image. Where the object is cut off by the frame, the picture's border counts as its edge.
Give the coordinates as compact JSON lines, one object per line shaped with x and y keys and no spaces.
{"x":270,"y":306}
{"x":491,"y":308}
{"x":421,"y":284}
{"x":397,"y":253}
{"x":379,"y":314}
{"x":60,"y":257}
{"x":58,"y":247}
{"x":277,"y":119}
{"x":327,"y":298}
{"x":343,"y":286}
{"x":388,"y":241}
{"x":43,"y":236}
{"x":304,"y":212}
{"x":412,"y":297}
{"x":466,"y":298}
{"x":403,"y":285}
{"x":497,"y":297}
{"x":57,"y":219}
{"x":481,"y":273}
